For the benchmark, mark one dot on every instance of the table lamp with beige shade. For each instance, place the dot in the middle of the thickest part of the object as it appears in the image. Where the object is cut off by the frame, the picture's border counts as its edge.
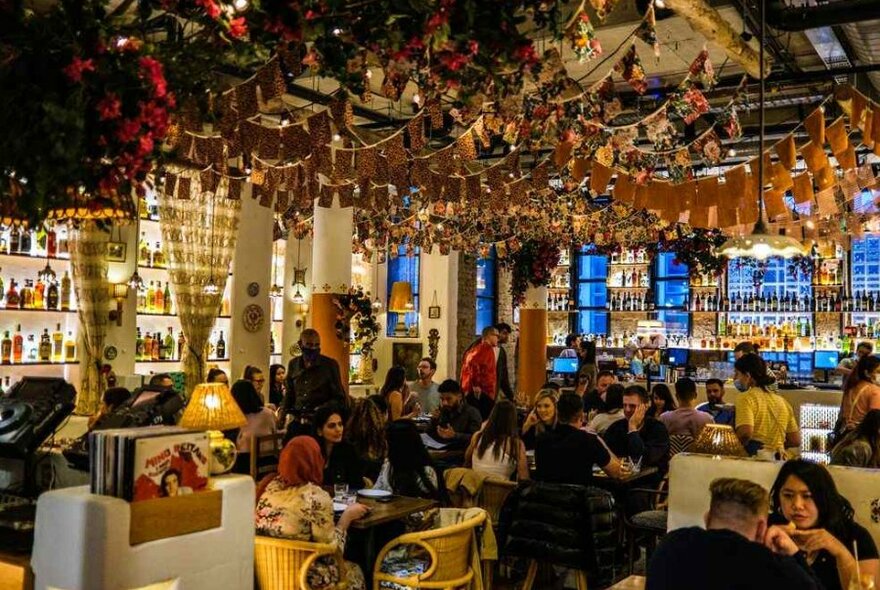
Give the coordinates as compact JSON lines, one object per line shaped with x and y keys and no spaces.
{"x":401,"y":303}
{"x":719,"y":440}
{"x":213,"y":408}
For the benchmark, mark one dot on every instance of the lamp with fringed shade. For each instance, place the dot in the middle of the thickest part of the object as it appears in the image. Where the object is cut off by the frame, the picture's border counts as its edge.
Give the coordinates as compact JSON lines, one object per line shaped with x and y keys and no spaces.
{"x":213,"y":408}
{"x":401,"y":303}
{"x":718,"y":439}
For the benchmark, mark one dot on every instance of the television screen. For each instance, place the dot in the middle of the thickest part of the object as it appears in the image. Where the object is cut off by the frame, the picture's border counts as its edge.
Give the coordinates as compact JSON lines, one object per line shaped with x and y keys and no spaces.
{"x":678,"y":357}
{"x":825,"y":359}
{"x":565,"y":365}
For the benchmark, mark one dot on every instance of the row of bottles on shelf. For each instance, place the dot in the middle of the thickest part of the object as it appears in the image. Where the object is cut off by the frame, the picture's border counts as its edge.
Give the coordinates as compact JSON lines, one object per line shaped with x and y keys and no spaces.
{"x":827,"y":274}
{"x":793,"y":327}
{"x":703,"y":279}
{"x":632,"y":256}
{"x":42,"y":294}
{"x":627,"y":301}
{"x":776,"y":343}
{"x":152,"y":257}
{"x":561,"y":280}
{"x":155,"y":347}
{"x":44,"y":241}
{"x":148,"y":209}
{"x":629,"y":278}
{"x":20,"y":349}
{"x":559,"y":302}
{"x":870,"y":330}
{"x":154,"y":299}
{"x":823,"y":301}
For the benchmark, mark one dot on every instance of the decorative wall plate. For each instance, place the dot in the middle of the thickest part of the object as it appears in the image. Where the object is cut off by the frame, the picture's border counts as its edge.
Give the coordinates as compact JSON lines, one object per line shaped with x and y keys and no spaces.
{"x":110,"y":353}
{"x":253,"y":317}
{"x":253,"y":289}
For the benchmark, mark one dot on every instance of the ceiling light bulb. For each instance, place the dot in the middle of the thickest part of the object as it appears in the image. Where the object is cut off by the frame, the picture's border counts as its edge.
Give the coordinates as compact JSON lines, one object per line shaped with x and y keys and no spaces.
{"x":732,"y":152}
{"x":337,"y":31}
{"x":211,"y":288}
{"x":298,"y":297}
{"x":336,"y":137}
{"x":659,"y":4}
{"x":241,"y":5}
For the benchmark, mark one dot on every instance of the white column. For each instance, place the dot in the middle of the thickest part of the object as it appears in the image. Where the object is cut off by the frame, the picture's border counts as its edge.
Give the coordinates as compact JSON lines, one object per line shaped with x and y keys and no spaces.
{"x":297,"y":254}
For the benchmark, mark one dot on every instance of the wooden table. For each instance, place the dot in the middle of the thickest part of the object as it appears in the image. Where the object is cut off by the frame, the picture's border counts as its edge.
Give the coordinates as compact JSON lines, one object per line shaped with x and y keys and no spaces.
{"x":15,"y":571}
{"x":630,"y":583}
{"x":397,"y":509}
{"x":600,"y":477}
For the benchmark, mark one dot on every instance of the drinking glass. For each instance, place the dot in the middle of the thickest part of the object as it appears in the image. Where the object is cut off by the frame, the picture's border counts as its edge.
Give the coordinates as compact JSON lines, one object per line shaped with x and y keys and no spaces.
{"x":340,"y":490}
{"x":626,"y":466}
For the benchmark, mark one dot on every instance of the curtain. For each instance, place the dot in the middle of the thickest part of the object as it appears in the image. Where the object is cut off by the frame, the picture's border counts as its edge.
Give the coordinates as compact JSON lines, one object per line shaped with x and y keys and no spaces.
{"x":198,"y":226}
{"x":88,"y":263}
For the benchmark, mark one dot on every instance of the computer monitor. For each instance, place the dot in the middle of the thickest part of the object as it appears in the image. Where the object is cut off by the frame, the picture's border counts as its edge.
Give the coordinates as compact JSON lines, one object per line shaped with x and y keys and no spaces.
{"x":565,"y":365}
{"x":678,"y":357}
{"x":825,"y":359}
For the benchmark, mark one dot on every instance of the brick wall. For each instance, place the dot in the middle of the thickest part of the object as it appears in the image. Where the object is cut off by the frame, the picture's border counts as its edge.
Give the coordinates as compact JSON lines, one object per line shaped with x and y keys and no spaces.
{"x":466,"y":312}
{"x":505,"y":314}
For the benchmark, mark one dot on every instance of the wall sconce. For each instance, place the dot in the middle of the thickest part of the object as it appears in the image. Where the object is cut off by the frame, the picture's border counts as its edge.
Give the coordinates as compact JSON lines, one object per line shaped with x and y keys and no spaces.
{"x":120,"y":294}
{"x":301,"y":309}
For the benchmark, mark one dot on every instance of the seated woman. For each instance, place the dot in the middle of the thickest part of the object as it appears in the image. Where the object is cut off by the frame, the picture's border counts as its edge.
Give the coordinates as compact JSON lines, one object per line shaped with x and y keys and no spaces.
{"x":861,"y":447}
{"x":365,"y":431}
{"x":292,"y":505}
{"x":804,"y":495}
{"x":341,"y":462}
{"x":111,"y":400}
{"x":397,"y":395}
{"x":408,"y":470}
{"x":541,"y":418}
{"x":861,"y":393}
{"x":260,"y":422}
{"x":613,"y":412}
{"x":661,"y":401}
{"x":497,"y":449}
{"x":216,"y":375}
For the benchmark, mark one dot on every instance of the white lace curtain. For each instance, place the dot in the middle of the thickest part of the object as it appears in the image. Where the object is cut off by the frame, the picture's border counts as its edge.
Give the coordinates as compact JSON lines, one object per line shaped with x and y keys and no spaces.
{"x":198,"y":234}
{"x":89,"y":265}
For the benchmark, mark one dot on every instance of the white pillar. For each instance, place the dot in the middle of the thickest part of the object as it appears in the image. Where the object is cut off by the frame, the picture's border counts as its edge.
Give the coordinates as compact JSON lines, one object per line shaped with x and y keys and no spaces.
{"x":297,"y":254}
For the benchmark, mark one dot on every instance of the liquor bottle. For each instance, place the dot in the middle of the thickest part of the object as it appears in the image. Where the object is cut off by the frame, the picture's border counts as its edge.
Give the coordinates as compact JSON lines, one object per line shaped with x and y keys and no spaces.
{"x":52,"y":296}
{"x":6,"y":349}
{"x":181,"y":342}
{"x":57,"y":344}
{"x":26,"y":241}
{"x":40,"y":294}
{"x":40,"y":240}
{"x":51,"y":243}
{"x":45,"y":346}
{"x":139,"y":347}
{"x":65,"y":292}
{"x":154,"y":352}
{"x":147,"y":352}
{"x":166,"y":297}
{"x":158,"y":257}
{"x":31,"y":348}
{"x":12,"y":296}
{"x":17,"y":345}
{"x":143,"y":250}
{"x":142,"y":299}
{"x":27,"y":295}
{"x":159,"y":299}
{"x":14,"y":240}
{"x":221,"y":347}
{"x":69,"y":348}
{"x":169,"y":344}
{"x":63,"y":242}
{"x":151,"y":298}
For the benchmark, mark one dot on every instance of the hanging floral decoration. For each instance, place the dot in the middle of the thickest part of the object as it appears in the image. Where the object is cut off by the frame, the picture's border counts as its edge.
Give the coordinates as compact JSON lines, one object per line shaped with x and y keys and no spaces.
{"x":531,"y":264}
{"x":582,"y":38}
{"x":355,"y":309}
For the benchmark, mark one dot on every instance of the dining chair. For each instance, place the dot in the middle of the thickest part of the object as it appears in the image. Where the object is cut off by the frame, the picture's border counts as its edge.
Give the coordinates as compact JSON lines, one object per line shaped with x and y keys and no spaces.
{"x":453,"y":559}
{"x":264,"y":453}
{"x":282,"y":564}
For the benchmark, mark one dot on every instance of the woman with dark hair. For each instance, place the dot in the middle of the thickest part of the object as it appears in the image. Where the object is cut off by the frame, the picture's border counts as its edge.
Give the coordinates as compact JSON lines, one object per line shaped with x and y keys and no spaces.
{"x":277,"y":375}
{"x":396,"y":393}
{"x":541,"y":418}
{"x":260,"y":422}
{"x":341,"y":461}
{"x":497,"y":450}
{"x":661,"y":401}
{"x":613,"y":411}
{"x":804,"y":495}
{"x":292,"y":505}
{"x":365,"y":431}
{"x":764,"y":420}
{"x":861,"y":392}
{"x":216,"y":375}
{"x":408,"y":470}
{"x":861,"y":447}
{"x":169,"y":486}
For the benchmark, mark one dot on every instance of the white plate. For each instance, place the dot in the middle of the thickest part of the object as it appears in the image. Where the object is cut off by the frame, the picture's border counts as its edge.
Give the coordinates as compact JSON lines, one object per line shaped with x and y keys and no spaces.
{"x":339,"y":507}
{"x":368,"y":493}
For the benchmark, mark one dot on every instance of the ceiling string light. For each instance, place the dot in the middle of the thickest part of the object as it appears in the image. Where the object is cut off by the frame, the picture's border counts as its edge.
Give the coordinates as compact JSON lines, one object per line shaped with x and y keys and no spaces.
{"x":761,"y":244}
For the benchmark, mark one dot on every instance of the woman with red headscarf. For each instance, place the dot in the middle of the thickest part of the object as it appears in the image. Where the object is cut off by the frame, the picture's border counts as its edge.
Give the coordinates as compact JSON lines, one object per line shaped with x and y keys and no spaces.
{"x":292,"y":505}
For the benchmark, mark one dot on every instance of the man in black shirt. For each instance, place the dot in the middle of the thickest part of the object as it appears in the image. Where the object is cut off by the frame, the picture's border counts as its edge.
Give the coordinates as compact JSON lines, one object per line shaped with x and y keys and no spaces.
{"x":594,"y":401}
{"x":456,"y":420}
{"x":738,"y":549}
{"x":639,"y":437}
{"x":312,"y":380}
{"x":567,"y":454}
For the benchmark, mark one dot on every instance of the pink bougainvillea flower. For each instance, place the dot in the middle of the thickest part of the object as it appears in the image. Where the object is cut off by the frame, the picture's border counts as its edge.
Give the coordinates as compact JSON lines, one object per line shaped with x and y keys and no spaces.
{"x":77,"y":67}
{"x":109,"y":107}
{"x":238,"y":27}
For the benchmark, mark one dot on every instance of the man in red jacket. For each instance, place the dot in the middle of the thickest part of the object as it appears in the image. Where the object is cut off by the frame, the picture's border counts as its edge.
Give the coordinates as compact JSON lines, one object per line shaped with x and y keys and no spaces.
{"x":478,"y":374}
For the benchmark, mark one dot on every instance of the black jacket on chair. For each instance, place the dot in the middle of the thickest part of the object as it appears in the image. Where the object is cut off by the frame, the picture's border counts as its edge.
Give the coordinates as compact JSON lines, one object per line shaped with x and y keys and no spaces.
{"x":567,"y":525}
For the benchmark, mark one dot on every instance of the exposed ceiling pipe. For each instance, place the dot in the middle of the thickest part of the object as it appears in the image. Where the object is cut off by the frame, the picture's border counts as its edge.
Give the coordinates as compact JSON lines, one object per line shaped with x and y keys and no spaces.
{"x":800,"y":18}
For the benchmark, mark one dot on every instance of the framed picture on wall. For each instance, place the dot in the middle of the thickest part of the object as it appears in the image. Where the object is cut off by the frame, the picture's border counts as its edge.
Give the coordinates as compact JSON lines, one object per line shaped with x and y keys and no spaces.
{"x":407,"y":355}
{"x":434,"y":312}
{"x":116,"y":251}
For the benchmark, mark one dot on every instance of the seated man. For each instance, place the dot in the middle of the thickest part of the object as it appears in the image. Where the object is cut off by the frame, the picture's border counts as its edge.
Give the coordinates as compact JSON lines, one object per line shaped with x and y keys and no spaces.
{"x":594,"y":401}
{"x":567,"y":454}
{"x":722,"y":413}
{"x":737,"y":549}
{"x":456,"y":421}
{"x":685,"y":419}
{"x":639,"y":437}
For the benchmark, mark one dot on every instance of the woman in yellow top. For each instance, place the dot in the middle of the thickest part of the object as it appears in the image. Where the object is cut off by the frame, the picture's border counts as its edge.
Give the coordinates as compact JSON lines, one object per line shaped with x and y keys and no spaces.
{"x":764,"y":420}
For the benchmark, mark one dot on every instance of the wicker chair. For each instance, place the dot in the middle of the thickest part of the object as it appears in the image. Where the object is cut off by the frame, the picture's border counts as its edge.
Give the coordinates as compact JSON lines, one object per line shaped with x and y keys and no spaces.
{"x":452,"y":553}
{"x":282,"y":564}
{"x":493,"y":495}
{"x":264,"y":454}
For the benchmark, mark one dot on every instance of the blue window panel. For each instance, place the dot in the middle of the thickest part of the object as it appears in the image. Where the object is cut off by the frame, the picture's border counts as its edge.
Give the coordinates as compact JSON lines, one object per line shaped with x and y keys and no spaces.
{"x":592,"y":267}
{"x":404,"y":268}
{"x":593,"y":322}
{"x":866,"y":264}
{"x":592,"y":295}
{"x":675,"y":322}
{"x":864,"y":202}
{"x":667,"y":268}
{"x":486,"y":291}
{"x":485,"y":314}
{"x":777,"y":280}
{"x":671,"y":293}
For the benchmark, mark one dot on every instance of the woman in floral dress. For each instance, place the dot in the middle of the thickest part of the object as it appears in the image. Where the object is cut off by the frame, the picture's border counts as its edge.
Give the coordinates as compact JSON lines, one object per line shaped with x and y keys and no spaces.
{"x":292,"y":505}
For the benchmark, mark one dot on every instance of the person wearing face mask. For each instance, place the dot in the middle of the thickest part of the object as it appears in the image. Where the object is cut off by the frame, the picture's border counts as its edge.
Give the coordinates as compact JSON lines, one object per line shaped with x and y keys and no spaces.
{"x":312,"y":381}
{"x":848,"y":364}
{"x":861,"y":393}
{"x":764,"y":420}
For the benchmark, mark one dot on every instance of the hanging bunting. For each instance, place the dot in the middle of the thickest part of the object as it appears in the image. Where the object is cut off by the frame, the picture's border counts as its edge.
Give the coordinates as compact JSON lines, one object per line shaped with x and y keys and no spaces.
{"x":815,"y":125}
{"x":690,"y":105}
{"x":787,"y":152}
{"x":603,"y":8}
{"x":582,"y":38}
{"x":647,"y":31}
{"x":630,"y":68}
{"x":701,"y":70}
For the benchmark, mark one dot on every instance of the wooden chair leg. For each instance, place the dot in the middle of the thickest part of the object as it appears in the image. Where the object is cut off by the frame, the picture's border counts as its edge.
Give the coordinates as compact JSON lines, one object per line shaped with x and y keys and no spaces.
{"x":581,"y":577}
{"x":530,"y":576}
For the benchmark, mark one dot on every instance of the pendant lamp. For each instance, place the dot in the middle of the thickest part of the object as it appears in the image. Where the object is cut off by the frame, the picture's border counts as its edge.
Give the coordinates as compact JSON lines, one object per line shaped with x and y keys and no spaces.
{"x":760,"y":244}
